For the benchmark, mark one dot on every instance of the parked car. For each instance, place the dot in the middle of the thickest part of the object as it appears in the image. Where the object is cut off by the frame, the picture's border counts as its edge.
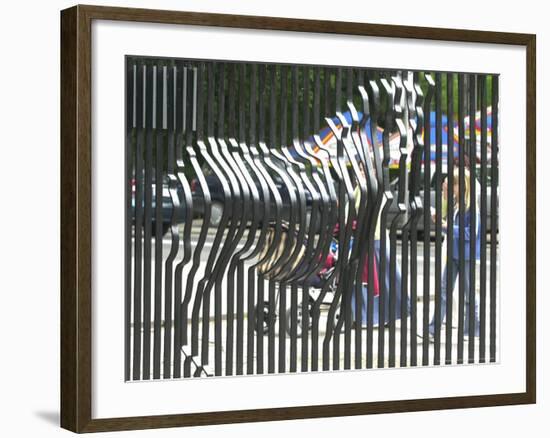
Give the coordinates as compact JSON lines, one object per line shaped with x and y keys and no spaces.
{"x":166,"y":205}
{"x":218,"y":198}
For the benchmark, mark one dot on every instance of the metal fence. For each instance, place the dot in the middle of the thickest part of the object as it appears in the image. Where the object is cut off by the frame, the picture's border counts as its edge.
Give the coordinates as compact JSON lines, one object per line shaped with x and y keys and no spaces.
{"x":253,"y":248}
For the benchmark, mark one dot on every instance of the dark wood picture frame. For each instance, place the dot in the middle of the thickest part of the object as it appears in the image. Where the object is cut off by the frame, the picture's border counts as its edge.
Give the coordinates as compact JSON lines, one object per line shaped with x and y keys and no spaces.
{"x":76,"y":218}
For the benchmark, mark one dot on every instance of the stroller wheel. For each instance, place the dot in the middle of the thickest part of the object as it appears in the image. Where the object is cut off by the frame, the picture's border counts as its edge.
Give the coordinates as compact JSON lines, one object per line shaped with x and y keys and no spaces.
{"x":268,"y":319}
{"x":299,"y":319}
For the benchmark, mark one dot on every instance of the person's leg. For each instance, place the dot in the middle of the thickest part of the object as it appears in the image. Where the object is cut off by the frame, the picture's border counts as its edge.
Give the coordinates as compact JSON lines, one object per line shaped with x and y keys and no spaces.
{"x":364,"y":298}
{"x":452,"y":264}
{"x":467,"y":303}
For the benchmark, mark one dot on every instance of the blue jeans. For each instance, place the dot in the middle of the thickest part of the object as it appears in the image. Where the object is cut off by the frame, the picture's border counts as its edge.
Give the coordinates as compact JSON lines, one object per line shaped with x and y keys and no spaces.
{"x":376,"y":299}
{"x":443,"y":302}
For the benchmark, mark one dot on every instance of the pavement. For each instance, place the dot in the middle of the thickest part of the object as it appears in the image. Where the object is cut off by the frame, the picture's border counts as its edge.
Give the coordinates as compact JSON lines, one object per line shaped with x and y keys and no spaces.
{"x":404,"y":351}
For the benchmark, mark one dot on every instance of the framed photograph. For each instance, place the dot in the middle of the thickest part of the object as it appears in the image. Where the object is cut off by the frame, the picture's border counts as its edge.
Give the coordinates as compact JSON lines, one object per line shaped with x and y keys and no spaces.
{"x":268,"y":218}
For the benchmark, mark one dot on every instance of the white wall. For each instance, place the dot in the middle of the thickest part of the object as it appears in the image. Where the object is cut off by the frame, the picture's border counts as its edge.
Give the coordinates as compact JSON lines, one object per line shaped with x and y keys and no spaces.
{"x":29,"y":215}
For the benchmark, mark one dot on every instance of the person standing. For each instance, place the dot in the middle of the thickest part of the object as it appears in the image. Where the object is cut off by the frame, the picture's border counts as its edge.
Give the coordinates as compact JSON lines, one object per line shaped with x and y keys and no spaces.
{"x":471,"y":231}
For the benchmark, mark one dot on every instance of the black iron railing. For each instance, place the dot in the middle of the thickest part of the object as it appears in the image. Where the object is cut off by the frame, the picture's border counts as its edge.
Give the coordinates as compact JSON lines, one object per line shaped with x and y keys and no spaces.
{"x":252,"y":248}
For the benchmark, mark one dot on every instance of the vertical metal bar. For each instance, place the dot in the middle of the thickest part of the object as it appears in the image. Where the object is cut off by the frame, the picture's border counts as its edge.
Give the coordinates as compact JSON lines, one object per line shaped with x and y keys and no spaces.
{"x":474,"y":222}
{"x":240,"y":269}
{"x":218,"y":310}
{"x":450,"y":218}
{"x":483,"y":224}
{"x":320,"y":72}
{"x":427,"y":228}
{"x":262,"y":86}
{"x":147,"y":251}
{"x":494,"y":218}
{"x":416,"y":202}
{"x":205,"y":93}
{"x":438,"y":220}
{"x":136,"y":372}
{"x":461,"y":218}
{"x":293,"y":285}
{"x":282,"y":284}
{"x":178,"y":113}
{"x":316,"y":99}
{"x":250,"y":317}
{"x":305,"y":100}
{"x":189,"y":130}
{"x":254,"y":318}
{"x":338,"y":90}
{"x":326,"y":92}
{"x":230,"y":288}
{"x":232,"y":122}
{"x":349,"y":84}
{"x":198,"y":101}
{"x":284,"y":109}
{"x":405,"y":234}
{"x":271,"y":284}
{"x":170,"y":114}
{"x":167,"y":127}
{"x":131,"y":72}
{"x":305,"y":288}
{"x":252,"y":107}
{"x":221,"y":99}
{"x":383,"y":202}
{"x":159,"y":161}
{"x":210,"y":84}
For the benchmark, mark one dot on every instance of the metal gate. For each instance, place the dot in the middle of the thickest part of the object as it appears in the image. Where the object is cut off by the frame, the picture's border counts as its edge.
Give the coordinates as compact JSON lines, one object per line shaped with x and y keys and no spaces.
{"x":296,"y":218}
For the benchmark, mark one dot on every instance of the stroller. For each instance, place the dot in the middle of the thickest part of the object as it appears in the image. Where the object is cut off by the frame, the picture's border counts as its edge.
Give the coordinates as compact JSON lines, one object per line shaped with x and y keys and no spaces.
{"x":315,"y":282}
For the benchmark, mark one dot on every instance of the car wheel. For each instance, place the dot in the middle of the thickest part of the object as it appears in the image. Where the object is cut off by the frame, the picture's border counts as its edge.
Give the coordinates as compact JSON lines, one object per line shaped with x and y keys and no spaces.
{"x":216,"y":214}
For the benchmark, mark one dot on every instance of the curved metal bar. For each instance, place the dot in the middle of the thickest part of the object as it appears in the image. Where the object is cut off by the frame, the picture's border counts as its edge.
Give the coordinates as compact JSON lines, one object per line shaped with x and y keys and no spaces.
{"x":381,"y":193}
{"x":292,"y":262}
{"x":241,"y":200}
{"x":416,"y":121}
{"x":234,"y":218}
{"x":250,"y":194}
{"x":320,"y":205}
{"x":159,"y":169}
{"x":323,"y":155}
{"x":272,"y":297}
{"x":296,"y":206}
{"x":372,"y":213}
{"x":400,"y":220}
{"x":401,"y":112}
{"x":180,"y":319}
{"x":295,"y":274}
{"x":450,"y":212}
{"x":271,"y":271}
{"x":180,"y":315}
{"x":352,"y":266}
{"x":199,"y":246}
{"x":345,"y":189}
{"x":364,"y":244}
{"x":168,"y":276}
{"x":190,"y":119}
{"x":313,"y":259}
{"x":202,"y":294}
